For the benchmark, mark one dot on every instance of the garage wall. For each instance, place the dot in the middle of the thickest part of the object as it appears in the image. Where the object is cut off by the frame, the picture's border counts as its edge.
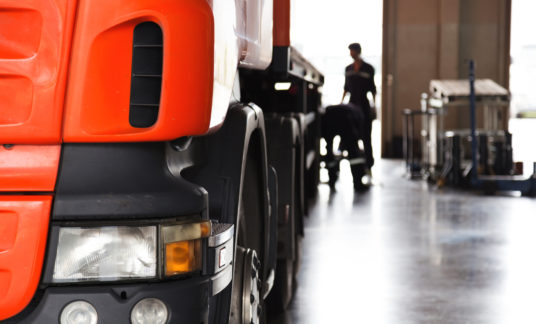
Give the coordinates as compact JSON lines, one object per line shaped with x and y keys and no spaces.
{"x":434,"y":39}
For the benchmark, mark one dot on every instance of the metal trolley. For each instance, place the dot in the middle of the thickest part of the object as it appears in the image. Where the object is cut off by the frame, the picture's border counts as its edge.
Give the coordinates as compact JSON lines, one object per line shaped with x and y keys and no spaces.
{"x":453,"y":149}
{"x":447,"y":96}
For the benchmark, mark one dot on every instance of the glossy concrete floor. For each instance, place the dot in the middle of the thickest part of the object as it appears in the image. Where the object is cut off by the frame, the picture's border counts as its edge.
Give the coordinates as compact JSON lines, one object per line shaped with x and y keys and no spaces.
{"x":405,"y":252}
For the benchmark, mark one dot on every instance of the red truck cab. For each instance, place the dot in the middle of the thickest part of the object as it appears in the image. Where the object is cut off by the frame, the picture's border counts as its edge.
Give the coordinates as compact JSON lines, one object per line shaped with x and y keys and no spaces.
{"x":135,"y":183}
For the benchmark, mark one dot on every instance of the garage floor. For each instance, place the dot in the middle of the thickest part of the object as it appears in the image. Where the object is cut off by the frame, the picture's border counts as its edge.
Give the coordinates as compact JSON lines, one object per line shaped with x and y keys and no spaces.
{"x":407,"y":253}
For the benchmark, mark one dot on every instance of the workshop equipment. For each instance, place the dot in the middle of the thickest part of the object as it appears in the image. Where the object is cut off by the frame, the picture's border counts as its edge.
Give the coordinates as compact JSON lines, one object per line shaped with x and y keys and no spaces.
{"x":453,"y":97}
{"x":456,"y":155}
{"x":492,"y":183}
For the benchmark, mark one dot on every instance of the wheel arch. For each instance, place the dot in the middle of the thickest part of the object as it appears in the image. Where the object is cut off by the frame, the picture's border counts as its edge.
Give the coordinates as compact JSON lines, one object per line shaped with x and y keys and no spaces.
{"x":219,"y":163}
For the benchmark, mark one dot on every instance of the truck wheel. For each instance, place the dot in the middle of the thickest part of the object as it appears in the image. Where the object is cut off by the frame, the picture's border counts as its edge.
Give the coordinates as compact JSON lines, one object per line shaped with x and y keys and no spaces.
{"x":246,"y":301}
{"x":297,"y":261}
{"x":281,"y":293}
{"x":286,"y":272}
{"x":286,"y":281}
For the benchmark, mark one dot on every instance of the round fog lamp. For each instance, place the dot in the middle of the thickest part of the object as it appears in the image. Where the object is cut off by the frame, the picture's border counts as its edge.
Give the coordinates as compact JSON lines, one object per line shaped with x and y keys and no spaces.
{"x":149,"y":311}
{"x":79,"y":312}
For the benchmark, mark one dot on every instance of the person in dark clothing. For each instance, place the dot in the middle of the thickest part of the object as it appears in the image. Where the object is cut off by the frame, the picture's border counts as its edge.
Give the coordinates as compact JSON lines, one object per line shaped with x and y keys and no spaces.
{"x":359,"y":81}
{"x":347,"y":121}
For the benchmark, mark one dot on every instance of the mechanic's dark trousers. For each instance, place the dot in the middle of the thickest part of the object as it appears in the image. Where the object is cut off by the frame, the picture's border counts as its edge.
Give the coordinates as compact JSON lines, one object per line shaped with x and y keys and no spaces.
{"x":355,"y":158}
{"x":345,"y":121}
{"x":366,"y":130}
{"x":367,"y":141}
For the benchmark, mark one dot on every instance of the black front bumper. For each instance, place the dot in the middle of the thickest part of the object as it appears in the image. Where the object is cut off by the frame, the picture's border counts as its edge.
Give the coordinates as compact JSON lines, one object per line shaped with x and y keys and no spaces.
{"x":187,"y":301}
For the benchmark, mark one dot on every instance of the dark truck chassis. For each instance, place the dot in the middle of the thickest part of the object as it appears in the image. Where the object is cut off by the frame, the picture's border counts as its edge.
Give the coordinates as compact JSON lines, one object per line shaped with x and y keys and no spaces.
{"x":293,"y":141}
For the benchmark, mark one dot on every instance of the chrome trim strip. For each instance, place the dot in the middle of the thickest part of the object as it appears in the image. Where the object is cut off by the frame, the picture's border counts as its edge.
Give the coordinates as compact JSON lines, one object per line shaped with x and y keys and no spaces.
{"x":222,"y":280}
{"x":225,"y":235}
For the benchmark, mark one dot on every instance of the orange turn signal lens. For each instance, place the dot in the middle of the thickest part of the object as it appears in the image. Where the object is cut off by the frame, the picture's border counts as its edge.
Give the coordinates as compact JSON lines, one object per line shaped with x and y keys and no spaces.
{"x":183,"y":246}
{"x":206,"y":228}
{"x":183,"y":257}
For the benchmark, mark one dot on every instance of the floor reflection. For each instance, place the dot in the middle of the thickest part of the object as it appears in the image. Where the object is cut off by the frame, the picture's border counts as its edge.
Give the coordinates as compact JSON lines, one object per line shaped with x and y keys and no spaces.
{"x":407,"y":253}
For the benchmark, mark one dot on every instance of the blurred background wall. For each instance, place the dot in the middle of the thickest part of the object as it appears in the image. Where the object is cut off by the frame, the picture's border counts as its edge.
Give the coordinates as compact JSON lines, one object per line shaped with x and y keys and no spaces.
{"x":434,"y":39}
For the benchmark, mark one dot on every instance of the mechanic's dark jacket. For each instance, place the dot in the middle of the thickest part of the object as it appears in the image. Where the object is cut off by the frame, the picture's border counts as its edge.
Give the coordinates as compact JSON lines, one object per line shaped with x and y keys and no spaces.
{"x":359,"y":83}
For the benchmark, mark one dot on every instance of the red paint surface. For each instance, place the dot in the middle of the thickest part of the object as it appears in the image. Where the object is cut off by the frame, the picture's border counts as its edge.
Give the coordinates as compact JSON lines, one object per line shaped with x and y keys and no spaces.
{"x":98,"y":95}
{"x":35,"y":39}
{"x":23,"y":236}
{"x":29,"y":167}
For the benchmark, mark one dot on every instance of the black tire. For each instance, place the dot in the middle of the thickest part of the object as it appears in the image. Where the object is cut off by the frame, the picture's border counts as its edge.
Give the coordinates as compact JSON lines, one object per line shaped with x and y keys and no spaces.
{"x":297,"y":260}
{"x":250,"y":238}
{"x":285,"y":276}
{"x":281,"y":294}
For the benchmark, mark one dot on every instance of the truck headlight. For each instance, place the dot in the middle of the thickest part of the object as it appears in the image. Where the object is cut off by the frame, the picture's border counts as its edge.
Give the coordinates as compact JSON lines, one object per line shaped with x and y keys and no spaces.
{"x":106,"y":253}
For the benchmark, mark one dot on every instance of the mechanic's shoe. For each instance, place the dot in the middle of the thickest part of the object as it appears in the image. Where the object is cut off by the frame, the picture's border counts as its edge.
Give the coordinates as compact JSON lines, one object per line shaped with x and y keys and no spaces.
{"x":332,"y":183}
{"x":333,"y":174}
{"x":361,"y":187}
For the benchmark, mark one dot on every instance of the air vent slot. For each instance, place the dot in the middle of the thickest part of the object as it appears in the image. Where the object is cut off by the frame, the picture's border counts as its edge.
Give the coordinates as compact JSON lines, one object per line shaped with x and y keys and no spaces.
{"x":146,"y":81}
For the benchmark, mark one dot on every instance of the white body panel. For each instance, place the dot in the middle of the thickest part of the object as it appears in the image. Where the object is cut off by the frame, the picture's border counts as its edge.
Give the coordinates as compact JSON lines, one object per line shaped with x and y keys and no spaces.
{"x":242,"y":37}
